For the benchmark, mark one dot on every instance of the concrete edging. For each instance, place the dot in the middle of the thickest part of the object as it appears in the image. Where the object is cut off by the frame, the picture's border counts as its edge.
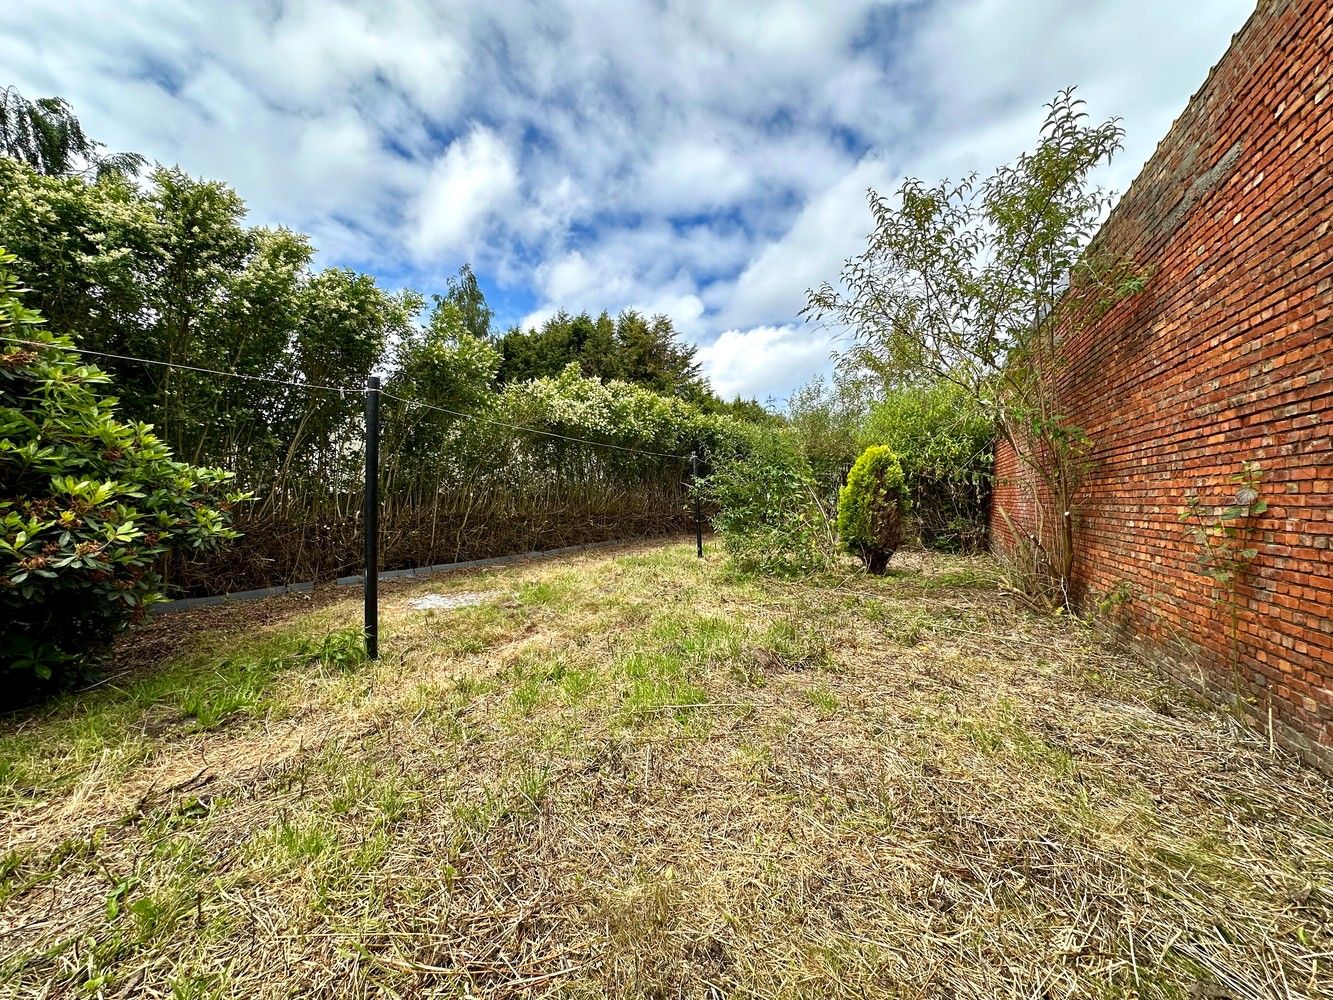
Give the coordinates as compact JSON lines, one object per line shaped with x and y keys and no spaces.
{"x":186,"y":603}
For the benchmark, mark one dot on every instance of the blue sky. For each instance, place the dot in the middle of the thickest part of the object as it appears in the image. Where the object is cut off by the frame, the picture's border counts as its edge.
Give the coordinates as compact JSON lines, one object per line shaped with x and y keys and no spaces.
{"x":701,"y":159}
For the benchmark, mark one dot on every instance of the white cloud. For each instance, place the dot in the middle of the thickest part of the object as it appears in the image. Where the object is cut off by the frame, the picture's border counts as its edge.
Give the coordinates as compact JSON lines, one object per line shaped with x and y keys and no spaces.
{"x":579,"y":282}
{"x":990,"y":120}
{"x":828,"y":229}
{"x":766,"y":361}
{"x":474,"y":178}
{"x":1140,"y":60}
{"x":708,"y":160}
{"x":693,"y":174}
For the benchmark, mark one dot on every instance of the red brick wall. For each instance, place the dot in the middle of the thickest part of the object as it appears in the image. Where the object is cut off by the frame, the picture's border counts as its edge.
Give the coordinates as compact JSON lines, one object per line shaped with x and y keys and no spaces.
{"x":1227,"y":356}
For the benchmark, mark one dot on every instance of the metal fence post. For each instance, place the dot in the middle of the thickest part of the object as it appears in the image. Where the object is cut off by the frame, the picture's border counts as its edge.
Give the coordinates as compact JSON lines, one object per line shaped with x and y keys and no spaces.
{"x":698,"y":504}
{"x":371,"y":517}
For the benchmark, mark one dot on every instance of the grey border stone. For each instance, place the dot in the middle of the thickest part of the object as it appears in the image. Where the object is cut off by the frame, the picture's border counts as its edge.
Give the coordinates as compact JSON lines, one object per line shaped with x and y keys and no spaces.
{"x":184,"y":604}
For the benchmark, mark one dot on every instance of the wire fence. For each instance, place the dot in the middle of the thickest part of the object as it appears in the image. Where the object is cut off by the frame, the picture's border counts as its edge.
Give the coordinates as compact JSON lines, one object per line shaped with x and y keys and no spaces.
{"x":407,"y":482}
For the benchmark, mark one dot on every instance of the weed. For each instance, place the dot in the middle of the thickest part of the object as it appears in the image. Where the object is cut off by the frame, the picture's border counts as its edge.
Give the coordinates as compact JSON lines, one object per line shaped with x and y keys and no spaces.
{"x":193,"y":809}
{"x":539,"y":675}
{"x":554,"y":592}
{"x":577,"y":682}
{"x":304,"y":839}
{"x":824,"y":700}
{"x":236,"y":688}
{"x":973,"y":576}
{"x":754,"y":761}
{"x":474,"y":817}
{"x":868,"y":609}
{"x":154,"y":917}
{"x":74,"y":849}
{"x":1111,"y":602}
{"x":660,"y":559}
{"x":652,"y":696}
{"x":115,"y":899}
{"x":532,"y":785}
{"x":799,"y":645}
{"x":9,"y":865}
{"x":659,"y":684}
{"x":372,"y":852}
{"x":14,"y":774}
{"x":395,"y":802}
{"x":198,"y":986}
{"x":476,"y":629}
{"x":908,"y":626}
{"x":701,"y":641}
{"x":341,"y":650}
{"x":1003,"y":736}
{"x":354,"y":784}
{"x":527,"y":696}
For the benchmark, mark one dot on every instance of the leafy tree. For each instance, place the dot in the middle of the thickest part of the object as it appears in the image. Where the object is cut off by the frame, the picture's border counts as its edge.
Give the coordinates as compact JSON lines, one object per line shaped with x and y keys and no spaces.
{"x":620,"y":413}
{"x":445,"y":365}
{"x":649,"y":352}
{"x":248,"y":328}
{"x":47,"y":136}
{"x":873,"y":507}
{"x":465,"y":299}
{"x":561,"y":341}
{"x":750,"y":411}
{"x":827,"y":417}
{"x":168,"y":273}
{"x":89,"y":504}
{"x":979,"y":283}
{"x":201,"y":245}
{"x":86,"y":250}
{"x":171,"y":272}
{"x":941,"y":438}
{"x":345,"y":324}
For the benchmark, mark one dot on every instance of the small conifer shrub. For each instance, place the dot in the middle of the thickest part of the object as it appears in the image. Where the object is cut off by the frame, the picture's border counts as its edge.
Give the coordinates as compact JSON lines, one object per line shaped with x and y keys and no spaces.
{"x":873,"y":508}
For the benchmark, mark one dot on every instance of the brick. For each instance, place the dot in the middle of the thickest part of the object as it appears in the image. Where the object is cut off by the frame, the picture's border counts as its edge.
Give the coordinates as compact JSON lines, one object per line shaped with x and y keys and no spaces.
{"x":1223,"y":358}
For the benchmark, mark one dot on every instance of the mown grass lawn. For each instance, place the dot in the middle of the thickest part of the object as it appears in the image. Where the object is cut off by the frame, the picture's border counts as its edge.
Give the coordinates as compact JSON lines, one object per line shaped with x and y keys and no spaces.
{"x":630,"y":774}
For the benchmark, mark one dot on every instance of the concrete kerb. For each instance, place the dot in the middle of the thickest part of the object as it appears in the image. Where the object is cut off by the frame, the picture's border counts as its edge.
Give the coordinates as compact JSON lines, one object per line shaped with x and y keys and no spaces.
{"x":184,"y":604}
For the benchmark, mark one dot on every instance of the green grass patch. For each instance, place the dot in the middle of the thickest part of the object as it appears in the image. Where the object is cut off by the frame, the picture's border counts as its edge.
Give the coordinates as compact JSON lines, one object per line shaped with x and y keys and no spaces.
{"x":1001,"y":734}
{"x":655,"y":775}
{"x":825,"y":702}
{"x":659,"y":686}
{"x":701,"y":641}
{"x":796,"y":643}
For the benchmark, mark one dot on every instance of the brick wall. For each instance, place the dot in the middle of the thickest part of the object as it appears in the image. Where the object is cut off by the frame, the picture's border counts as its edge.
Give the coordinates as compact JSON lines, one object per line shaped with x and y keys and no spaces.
{"x":1227,"y":356}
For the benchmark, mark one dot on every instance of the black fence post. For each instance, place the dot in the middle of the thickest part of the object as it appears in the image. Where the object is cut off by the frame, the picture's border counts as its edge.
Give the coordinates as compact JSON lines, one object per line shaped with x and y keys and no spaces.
{"x":698,"y":504}
{"x":371,"y":517}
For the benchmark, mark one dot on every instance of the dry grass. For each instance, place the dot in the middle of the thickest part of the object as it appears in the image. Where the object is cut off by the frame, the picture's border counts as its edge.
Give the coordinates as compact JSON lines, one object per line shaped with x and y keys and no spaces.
{"x":632,"y":775}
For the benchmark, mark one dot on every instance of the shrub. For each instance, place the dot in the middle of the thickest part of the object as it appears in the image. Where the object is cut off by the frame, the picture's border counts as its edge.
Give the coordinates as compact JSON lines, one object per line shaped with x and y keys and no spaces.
{"x":767,"y":510}
{"x":872,"y":508}
{"x":944,"y":443}
{"x":828,"y":418}
{"x":88,"y":504}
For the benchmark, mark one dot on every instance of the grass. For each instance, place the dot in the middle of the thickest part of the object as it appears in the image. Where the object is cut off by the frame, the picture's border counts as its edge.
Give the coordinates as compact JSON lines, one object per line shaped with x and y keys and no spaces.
{"x":632,"y":774}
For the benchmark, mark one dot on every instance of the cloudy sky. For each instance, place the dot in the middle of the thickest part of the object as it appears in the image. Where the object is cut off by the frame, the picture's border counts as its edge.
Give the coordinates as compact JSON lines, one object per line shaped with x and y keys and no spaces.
{"x":704,"y":159}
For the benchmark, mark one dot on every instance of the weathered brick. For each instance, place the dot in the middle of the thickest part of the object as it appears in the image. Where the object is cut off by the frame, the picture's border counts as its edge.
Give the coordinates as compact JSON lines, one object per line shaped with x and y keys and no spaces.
{"x":1222,"y":359}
